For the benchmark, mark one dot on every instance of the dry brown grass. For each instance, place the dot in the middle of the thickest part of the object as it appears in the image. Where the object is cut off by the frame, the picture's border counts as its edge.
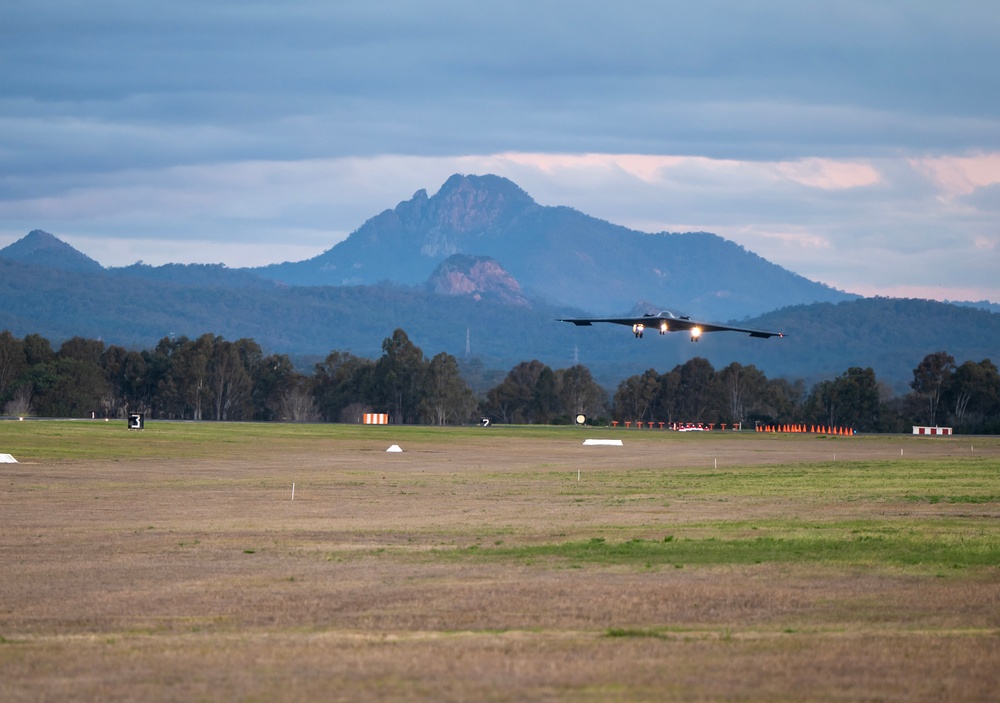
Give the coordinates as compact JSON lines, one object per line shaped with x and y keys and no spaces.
{"x":202,"y":580}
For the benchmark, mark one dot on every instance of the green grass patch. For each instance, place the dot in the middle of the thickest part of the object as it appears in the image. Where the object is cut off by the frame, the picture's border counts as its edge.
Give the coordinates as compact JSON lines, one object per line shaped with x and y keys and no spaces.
{"x":632,"y":632}
{"x":857,"y":549}
{"x":110,"y":440}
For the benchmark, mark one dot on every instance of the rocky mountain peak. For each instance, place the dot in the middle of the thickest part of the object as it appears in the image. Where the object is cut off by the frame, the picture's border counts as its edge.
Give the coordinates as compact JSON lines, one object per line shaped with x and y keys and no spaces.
{"x":478,"y":276}
{"x":477,"y":203}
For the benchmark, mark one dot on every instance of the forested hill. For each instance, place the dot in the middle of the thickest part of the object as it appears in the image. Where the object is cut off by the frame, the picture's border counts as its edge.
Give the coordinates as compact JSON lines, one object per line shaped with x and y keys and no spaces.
{"x":890,"y":335}
{"x":823,"y":340}
{"x":887,"y":334}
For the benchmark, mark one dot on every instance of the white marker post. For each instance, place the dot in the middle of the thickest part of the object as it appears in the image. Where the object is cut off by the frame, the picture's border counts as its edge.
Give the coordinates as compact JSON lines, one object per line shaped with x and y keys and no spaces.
{"x":293,"y":491}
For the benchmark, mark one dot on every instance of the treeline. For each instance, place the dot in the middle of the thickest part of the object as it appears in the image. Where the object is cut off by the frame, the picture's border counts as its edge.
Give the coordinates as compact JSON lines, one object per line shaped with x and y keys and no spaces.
{"x":966,"y":397}
{"x":211,"y":378}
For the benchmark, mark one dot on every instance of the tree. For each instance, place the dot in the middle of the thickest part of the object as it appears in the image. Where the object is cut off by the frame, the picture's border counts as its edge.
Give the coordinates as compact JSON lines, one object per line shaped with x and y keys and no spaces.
{"x":929,"y":379}
{"x":664,"y":406}
{"x":342,"y":380}
{"x":697,"y":396}
{"x":973,"y":392}
{"x":112,"y":361}
{"x":68,"y":387}
{"x":446,"y":396}
{"x":780,"y":402}
{"x":398,"y":376}
{"x":821,"y":405}
{"x":189,"y":375}
{"x":512,"y":400}
{"x":635,"y":395}
{"x":158,"y":388}
{"x":229,"y":381}
{"x":37,"y":350}
{"x":579,"y":393}
{"x":853,"y":399}
{"x":297,"y":403}
{"x":275,"y":381}
{"x":12,"y":361}
{"x":545,"y":397}
{"x":743,"y":387}
{"x":138,"y":382}
{"x":860,"y":398}
{"x":81,"y":349}
{"x":21,"y":401}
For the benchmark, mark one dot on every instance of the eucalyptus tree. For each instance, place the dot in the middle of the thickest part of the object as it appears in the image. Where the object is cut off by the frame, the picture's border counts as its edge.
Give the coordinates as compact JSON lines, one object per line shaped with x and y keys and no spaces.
{"x":743,"y":388}
{"x":71,"y":382}
{"x":277,"y":386}
{"x":445,"y":395}
{"x":697,"y":397}
{"x":635,"y":395}
{"x":228,"y":376}
{"x":37,"y":350}
{"x":112,"y":361}
{"x":13,"y":364}
{"x":929,"y":378}
{"x":973,"y":392}
{"x":398,"y":376}
{"x":513,"y":399}
{"x":188,"y":377}
{"x":545,"y":400}
{"x":579,"y":393}
{"x":340,"y":381}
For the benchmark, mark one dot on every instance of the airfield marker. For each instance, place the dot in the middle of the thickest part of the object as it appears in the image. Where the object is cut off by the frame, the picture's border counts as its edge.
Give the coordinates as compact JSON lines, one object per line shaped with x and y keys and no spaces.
{"x":578,"y":473}
{"x":293,"y":491}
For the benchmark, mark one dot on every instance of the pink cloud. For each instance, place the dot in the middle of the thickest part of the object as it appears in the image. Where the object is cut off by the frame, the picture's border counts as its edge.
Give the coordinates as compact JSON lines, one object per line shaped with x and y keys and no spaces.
{"x":960,"y":175}
{"x":829,"y":174}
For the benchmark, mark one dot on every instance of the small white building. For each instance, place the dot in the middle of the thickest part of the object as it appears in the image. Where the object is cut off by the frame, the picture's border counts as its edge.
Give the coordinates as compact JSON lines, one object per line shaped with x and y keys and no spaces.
{"x":931,"y":430}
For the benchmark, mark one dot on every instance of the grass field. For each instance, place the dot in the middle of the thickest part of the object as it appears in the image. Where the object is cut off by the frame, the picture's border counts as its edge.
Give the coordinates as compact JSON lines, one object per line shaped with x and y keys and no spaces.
{"x":494,"y":564}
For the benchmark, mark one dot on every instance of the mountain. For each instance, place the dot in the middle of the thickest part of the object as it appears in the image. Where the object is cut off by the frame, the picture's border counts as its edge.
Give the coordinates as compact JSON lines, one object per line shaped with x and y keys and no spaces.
{"x":481,"y":264}
{"x":823,"y":339}
{"x":299,"y":321}
{"x":557,"y":254}
{"x":38,"y":247}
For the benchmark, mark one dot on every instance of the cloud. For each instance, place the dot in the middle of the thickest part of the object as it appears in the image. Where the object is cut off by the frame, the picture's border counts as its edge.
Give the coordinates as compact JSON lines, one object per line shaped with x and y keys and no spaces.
{"x":960,"y":175}
{"x":851,"y":224}
{"x":854,"y":142}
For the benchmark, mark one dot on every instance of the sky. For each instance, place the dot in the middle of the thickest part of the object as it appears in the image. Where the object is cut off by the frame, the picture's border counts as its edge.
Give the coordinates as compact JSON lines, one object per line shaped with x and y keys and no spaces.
{"x":856,"y":143}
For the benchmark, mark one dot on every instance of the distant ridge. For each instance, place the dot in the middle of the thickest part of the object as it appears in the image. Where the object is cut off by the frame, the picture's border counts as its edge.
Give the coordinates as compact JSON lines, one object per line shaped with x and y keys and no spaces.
{"x":557,"y":254}
{"x":43,"y":249}
{"x":138,"y":306}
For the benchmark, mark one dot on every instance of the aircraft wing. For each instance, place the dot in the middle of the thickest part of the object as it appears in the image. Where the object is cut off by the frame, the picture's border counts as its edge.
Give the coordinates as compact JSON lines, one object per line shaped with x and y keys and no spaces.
{"x":666,"y":322}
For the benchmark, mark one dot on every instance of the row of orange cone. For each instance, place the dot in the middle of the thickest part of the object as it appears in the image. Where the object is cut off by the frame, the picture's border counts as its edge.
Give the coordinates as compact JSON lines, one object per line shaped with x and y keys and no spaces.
{"x":811,"y":429}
